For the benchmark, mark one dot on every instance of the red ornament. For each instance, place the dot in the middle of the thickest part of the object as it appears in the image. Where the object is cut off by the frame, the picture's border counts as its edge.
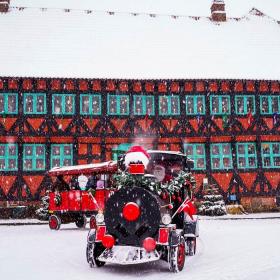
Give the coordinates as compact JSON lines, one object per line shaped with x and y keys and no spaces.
{"x":170,"y":206}
{"x":149,"y":244}
{"x":131,"y":211}
{"x":173,"y":197}
{"x":163,"y":196}
{"x":92,"y":222}
{"x":179,"y":199}
{"x":108,"y":241}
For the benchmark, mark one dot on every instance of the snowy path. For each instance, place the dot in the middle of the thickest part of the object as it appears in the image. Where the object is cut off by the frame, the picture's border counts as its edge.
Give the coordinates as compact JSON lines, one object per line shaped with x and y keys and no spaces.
{"x":228,"y":250}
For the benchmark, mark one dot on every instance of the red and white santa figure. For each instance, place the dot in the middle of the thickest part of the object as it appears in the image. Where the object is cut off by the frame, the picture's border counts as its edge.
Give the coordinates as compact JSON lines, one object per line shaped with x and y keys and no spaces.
{"x":136,"y":155}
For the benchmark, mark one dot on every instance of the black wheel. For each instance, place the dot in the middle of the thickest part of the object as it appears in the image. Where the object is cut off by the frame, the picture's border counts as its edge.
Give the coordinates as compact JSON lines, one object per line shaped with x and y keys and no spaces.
{"x":177,"y":256}
{"x":54,"y":222}
{"x":81,"y":221}
{"x":94,"y":250}
{"x":191,"y":246}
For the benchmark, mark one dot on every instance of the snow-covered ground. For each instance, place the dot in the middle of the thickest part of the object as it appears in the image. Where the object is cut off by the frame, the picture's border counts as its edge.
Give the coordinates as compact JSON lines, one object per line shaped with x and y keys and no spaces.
{"x":227,"y":250}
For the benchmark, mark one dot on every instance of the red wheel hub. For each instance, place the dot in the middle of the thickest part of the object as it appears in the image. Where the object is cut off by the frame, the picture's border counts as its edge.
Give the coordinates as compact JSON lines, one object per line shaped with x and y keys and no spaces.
{"x":131,"y":211}
{"x":53,"y":222}
{"x":108,"y":241}
{"x":181,"y":255}
{"x":149,"y":244}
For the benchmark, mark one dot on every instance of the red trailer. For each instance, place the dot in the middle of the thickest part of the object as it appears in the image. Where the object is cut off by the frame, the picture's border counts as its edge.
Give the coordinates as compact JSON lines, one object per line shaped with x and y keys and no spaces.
{"x":84,"y":196}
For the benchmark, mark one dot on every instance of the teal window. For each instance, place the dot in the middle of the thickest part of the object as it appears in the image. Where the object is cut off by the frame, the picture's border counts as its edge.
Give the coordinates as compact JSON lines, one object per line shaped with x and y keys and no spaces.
{"x":196,"y":152}
{"x":8,"y":103}
{"x":33,"y":157}
{"x":63,"y":104}
{"x":195,"y":105}
{"x":244,"y":104}
{"x":144,"y":105}
{"x":271,"y":155}
{"x":61,"y":155}
{"x":220,"y":104}
{"x":270,"y":104}
{"x":221,"y":157}
{"x":34,"y":103}
{"x":90,"y":104}
{"x":246,"y":155}
{"x":169,"y":105}
{"x":120,"y":149}
{"x":118,"y":104}
{"x":8,"y":157}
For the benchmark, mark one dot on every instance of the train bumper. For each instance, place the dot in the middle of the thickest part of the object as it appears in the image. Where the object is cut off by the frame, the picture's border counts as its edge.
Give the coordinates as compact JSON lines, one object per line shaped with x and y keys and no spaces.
{"x":128,"y":255}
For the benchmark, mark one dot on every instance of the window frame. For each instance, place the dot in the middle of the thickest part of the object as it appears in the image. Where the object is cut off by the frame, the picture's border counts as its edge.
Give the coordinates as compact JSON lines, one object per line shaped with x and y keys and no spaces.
{"x":169,"y":113}
{"x":220,"y":112}
{"x":7,"y":157}
{"x":34,"y":105}
{"x":61,"y":156}
{"x":118,"y":97}
{"x":33,"y":157}
{"x":195,"y":111}
{"x":221,"y":156}
{"x":144,"y":102}
{"x":271,"y":154}
{"x":246,"y":155}
{"x":269,"y":104}
{"x":6,"y":103}
{"x":196,"y":156}
{"x":63,"y":112}
{"x":90,"y":113}
{"x":120,"y":149}
{"x":245,"y":98}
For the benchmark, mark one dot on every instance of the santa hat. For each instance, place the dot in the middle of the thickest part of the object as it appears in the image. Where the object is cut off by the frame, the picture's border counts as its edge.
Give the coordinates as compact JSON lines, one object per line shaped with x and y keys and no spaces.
{"x":136,"y":154}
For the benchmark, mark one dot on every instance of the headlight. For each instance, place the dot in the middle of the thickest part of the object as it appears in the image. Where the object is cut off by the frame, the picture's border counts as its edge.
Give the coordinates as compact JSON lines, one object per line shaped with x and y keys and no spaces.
{"x":99,"y":218}
{"x":166,"y":219}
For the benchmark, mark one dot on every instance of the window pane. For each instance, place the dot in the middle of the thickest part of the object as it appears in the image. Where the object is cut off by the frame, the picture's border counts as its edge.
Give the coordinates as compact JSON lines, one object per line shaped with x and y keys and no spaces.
{"x":2,"y":164}
{"x":250,"y":104}
{"x":265,"y":149}
{"x":124,"y":105}
{"x":40,"y":164}
{"x":138,"y":105}
{"x":40,"y":104}
{"x":12,"y":164}
{"x":200,"y":163}
{"x":264,"y":104}
{"x":226,"y":149}
{"x":275,"y":148}
{"x":2,"y":150}
{"x":240,"y":105}
{"x":67,"y":150}
{"x":275,"y":104}
{"x":226,"y":162}
{"x":163,"y":105}
{"x":241,"y":162}
{"x":215,"y":104}
{"x":11,"y":103}
{"x":189,"y":150}
{"x":174,"y":105}
{"x":12,"y":150}
{"x":40,"y":150}
{"x":27,"y":164}
{"x":69,"y":104}
{"x":276,"y":161}
{"x":55,"y":150}
{"x":149,"y":105}
{"x":241,"y":149}
{"x":96,"y":105}
{"x":266,"y":161}
{"x":190,"y":105}
{"x":2,"y":108}
{"x":112,"y":104}
{"x":225,"y":104}
{"x":200,"y":105}
{"x":85,"y":104}
{"x":28,"y":150}
{"x":67,"y":162}
{"x":57,"y":104}
{"x":55,"y":162}
{"x":215,"y":150}
{"x":29,"y":104}
{"x":215,"y":162}
{"x":200,"y":150}
{"x":251,"y":149}
{"x":252,"y":162}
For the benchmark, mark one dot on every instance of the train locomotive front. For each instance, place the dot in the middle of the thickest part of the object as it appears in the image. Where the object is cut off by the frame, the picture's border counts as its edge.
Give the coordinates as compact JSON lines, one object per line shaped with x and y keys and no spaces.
{"x":137,"y":227}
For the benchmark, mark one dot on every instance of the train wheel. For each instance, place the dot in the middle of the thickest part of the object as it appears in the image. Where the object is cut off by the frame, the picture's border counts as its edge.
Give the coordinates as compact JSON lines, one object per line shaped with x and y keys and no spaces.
{"x":94,"y":250}
{"x":177,"y":257}
{"x":191,"y":246}
{"x":81,"y":221}
{"x":54,"y":222}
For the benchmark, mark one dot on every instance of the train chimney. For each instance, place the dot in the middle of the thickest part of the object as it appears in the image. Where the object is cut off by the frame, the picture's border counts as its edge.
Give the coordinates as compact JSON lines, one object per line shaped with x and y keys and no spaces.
{"x":4,"y":6}
{"x":218,"y":12}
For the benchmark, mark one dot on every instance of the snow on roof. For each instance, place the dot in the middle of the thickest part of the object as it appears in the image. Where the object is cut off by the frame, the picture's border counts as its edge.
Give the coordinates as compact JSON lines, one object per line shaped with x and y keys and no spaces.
{"x":76,"y":43}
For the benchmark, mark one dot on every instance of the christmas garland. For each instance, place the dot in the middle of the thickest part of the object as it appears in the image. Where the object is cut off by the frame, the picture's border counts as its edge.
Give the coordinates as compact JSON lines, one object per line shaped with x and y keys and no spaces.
{"x":169,"y":189}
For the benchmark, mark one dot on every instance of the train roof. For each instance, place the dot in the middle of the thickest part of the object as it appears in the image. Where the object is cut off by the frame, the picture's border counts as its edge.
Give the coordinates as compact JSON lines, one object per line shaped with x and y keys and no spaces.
{"x":166,"y":152}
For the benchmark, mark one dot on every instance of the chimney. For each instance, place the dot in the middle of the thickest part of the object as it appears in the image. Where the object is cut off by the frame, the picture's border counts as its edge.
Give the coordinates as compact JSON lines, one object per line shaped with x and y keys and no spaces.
{"x":218,"y":12}
{"x":4,"y":6}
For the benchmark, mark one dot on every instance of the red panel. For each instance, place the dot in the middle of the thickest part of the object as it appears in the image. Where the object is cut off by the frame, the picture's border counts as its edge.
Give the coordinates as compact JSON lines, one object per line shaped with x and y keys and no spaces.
{"x":91,"y":123}
{"x":248,"y":179}
{"x":12,"y":84}
{"x":223,"y":179}
{"x":100,"y":196}
{"x":110,"y":86}
{"x":101,"y":230}
{"x":61,"y":140}
{"x":55,"y":84}
{"x":89,"y":140}
{"x":162,"y":87}
{"x":137,"y":87}
{"x":7,"y":122}
{"x":96,"y":85}
{"x":270,"y":138}
{"x":170,"y":124}
{"x":238,"y":86}
{"x":41,"y":84}
{"x":199,"y":180}
{"x":268,"y":122}
{"x":87,"y":202}
{"x":63,"y":123}
{"x":175,"y":87}
{"x":74,"y":200}
{"x":200,"y":86}
{"x":246,"y":138}
{"x":245,"y":122}
{"x":273,"y":178}
{"x":31,"y":139}
{"x":213,"y":86}
{"x":250,"y":86}
{"x":263,"y":86}
{"x":217,"y":139}
{"x":69,"y":85}
{"x":194,"y":124}
{"x":225,"y":86}
{"x":119,"y":123}
{"x":1,"y":84}
{"x":163,"y":235}
{"x":83,"y":85}
{"x":35,"y":123}
{"x":123,"y":86}
{"x":188,"y":87}
{"x":275,"y":87}
{"x":82,"y":149}
{"x":195,"y":140}
{"x":149,"y":86}
{"x":6,"y":183}
{"x":64,"y":206}
{"x":27,"y":84}
{"x":33,"y":182}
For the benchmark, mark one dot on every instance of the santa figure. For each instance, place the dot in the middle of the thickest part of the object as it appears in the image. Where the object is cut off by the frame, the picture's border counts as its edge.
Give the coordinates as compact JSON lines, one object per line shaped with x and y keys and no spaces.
{"x":137,"y":154}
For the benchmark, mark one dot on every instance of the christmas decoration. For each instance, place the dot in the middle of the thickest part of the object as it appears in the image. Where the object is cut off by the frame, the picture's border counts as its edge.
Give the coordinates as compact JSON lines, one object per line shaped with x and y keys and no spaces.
{"x":213,"y":203}
{"x":43,"y":212}
{"x":136,"y":154}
